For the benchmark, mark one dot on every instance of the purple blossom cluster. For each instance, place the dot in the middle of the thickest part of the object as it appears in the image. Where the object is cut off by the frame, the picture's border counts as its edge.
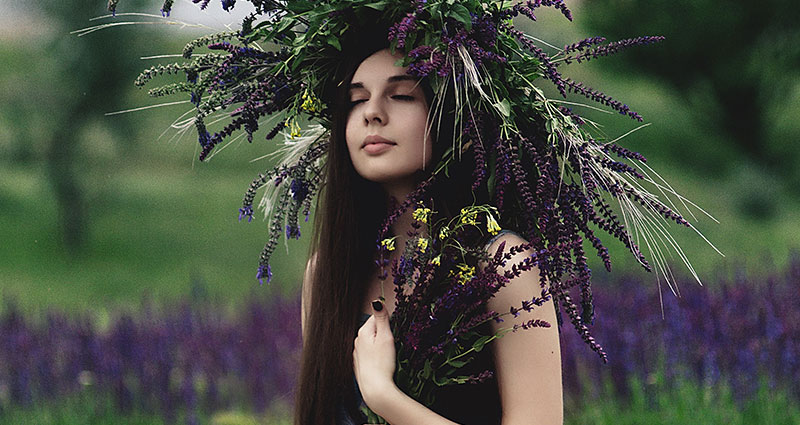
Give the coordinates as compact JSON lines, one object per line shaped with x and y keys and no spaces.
{"x":527,"y":9}
{"x":739,"y":331}
{"x":585,"y":53}
{"x":583,"y":44}
{"x":597,"y":96}
{"x":480,"y":40}
{"x":550,"y":68}
{"x":177,"y":362}
{"x":296,"y":198}
{"x":224,"y":85}
{"x":400,"y":31}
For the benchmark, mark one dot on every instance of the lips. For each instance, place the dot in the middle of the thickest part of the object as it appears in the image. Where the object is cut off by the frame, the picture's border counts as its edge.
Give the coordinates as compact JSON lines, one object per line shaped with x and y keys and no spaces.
{"x":375,"y":144}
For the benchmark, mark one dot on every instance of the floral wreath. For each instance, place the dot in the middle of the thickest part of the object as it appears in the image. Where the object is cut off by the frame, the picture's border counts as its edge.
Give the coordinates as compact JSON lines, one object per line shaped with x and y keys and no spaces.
{"x":523,"y":142}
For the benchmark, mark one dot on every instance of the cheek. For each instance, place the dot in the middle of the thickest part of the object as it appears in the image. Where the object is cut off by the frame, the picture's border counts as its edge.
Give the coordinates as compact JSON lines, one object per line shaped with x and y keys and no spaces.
{"x":420,"y":131}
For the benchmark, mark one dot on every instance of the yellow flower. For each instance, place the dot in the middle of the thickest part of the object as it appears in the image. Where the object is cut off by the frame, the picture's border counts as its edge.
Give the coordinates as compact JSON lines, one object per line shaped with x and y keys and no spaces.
{"x":422,"y":244}
{"x":294,"y":130}
{"x":388,"y":243}
{"x":468,"y":216}
{"x":465,"y":273}
{"x":491,"y":224}
{"x":444,"y":233}
{"x":310,"y":102}
{"x":421,"y":214}
{"x":437,"y":261}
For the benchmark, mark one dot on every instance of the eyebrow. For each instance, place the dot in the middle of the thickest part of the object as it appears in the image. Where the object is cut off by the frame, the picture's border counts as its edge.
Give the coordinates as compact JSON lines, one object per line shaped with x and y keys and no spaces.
{"x":392,"y":79}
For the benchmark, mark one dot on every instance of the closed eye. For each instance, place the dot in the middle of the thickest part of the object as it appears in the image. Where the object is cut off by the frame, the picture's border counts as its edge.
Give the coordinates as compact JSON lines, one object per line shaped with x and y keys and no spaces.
{"x":403,"y":97}
{"x":356,"y":102}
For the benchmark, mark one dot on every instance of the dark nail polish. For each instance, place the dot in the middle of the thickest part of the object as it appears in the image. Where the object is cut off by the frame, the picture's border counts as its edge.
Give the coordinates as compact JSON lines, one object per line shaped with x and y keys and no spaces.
{"x":377,"y":305}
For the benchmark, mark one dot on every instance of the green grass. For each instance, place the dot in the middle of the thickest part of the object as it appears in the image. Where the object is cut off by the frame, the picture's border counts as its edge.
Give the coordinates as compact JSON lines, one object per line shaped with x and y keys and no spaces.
{"x":88,"y":408}
{"x":158,"y":227}
{"x":687,"y":403}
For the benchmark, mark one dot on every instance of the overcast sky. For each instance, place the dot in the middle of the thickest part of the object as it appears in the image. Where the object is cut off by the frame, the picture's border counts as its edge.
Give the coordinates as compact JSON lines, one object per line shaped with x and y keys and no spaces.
{"x":17,"y":19}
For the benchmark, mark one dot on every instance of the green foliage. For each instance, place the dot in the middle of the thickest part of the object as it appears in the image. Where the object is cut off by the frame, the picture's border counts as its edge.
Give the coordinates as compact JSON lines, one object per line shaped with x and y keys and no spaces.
{"x":735,"y":68}
{"x":687,"y":403}
{"x":86,"y":408}
{"x":91,"y":408}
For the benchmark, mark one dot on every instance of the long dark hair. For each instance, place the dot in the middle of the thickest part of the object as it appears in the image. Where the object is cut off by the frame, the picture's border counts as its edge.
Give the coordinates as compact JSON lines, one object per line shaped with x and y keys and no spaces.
{"x":349,"y":214}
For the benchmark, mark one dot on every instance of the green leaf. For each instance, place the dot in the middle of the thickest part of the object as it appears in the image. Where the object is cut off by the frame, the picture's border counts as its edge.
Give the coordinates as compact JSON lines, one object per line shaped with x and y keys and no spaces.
{"x":334,"y":41}
{"x":461,"y":14}
{"x":427,"y":370}
{"x":285,"y":24}
{"x":440,"y":381}
{"x":457,"y":363}
{"x":504,"y":107}
{"x":481,"y":342}
{"x":381,"y":5}
{"x":491,"y":182}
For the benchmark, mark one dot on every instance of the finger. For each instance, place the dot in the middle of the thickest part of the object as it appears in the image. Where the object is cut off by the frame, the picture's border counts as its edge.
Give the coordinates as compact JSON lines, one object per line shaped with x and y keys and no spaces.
{"x":367,"y":330}
{"x":381,"y":316}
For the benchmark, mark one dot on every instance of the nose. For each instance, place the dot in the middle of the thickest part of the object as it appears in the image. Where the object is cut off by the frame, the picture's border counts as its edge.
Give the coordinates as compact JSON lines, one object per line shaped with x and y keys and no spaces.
{"x":375,"y":112}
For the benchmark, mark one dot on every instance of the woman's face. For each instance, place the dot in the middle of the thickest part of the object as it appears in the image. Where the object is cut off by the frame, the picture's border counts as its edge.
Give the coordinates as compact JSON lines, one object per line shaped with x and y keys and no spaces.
{"x":386,"y":127}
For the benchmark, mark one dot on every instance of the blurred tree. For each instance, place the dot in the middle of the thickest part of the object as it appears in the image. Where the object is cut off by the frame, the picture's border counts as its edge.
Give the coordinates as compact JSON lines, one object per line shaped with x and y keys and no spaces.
{"x":737,"y":65}
{"x":74,"y":81}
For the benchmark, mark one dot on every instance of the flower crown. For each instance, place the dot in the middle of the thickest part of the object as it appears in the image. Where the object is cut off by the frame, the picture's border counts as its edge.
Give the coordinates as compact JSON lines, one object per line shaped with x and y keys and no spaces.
{"x":276,"y":70}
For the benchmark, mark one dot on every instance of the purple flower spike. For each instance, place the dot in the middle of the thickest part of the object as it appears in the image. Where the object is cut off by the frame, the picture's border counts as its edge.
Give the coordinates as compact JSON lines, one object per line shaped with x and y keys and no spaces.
{"x":299,"y":190}
{"x":400,"y":30}
{"x":292,"y":232}
{"x":264,"y":271}
{"x":227,"y":5}
{"x":246,"y":211}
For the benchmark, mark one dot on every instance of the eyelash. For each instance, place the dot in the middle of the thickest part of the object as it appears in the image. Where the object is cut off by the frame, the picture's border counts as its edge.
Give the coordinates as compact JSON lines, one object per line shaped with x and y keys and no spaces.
{"x":400,"y":97}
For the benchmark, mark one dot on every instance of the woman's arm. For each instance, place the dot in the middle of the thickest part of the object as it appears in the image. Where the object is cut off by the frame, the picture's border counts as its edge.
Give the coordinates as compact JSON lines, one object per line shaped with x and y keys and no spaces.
{"x":528,"y":362}
{"x":374,"y":365}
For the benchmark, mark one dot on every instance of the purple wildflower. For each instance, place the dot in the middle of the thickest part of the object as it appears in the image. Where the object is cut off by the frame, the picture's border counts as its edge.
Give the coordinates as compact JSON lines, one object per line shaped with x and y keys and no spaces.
{"x":583,"y":44}
{"x":401,"y":30}
{"x":264,"y":271}
{"x":246,"y":211}
{"x":227,"y":5}
{"x":600,"y":97}
{"x":203,"y":3}
{"x":292,"y":232}
{"x":299,"y":190}
{"x":612,"y":48}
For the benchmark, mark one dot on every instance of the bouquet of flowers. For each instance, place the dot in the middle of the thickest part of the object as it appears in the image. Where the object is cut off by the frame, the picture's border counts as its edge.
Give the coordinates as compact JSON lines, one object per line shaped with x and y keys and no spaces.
{"x":442,"y":287}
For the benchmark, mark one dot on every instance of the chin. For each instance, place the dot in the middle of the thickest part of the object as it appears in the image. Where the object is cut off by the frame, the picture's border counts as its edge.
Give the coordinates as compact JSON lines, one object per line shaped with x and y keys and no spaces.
{"x":387,"y":177}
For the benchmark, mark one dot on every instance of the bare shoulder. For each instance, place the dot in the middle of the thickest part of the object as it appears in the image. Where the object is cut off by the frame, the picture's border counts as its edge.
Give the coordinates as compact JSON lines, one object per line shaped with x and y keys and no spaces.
{"x":527,"y":285}
{"x":528,"y":361}
{"x":510,"y":239}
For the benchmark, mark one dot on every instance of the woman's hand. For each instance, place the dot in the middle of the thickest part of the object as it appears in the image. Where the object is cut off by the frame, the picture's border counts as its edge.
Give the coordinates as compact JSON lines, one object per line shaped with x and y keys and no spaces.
{"x":374,"y":358}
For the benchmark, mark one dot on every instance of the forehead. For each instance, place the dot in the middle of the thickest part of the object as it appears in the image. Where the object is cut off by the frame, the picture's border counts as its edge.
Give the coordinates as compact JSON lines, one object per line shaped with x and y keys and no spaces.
{"x":378,"y":68}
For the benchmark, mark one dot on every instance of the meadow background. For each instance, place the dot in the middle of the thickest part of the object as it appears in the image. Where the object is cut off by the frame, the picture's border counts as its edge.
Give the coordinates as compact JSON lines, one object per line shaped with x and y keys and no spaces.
{"x":127,"y":285}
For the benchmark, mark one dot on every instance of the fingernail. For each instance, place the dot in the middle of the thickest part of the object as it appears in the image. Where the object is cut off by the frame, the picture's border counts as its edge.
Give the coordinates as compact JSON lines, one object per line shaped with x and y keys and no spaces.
{"x":377,"y":305}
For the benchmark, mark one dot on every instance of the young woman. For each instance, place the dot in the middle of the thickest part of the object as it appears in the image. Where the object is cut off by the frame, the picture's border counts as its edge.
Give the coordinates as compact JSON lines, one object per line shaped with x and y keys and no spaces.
{"x":380,"y":149}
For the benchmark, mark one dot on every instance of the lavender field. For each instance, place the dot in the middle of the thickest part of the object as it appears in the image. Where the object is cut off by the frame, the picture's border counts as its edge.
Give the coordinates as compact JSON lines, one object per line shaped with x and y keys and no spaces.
{"x":736,"y":337}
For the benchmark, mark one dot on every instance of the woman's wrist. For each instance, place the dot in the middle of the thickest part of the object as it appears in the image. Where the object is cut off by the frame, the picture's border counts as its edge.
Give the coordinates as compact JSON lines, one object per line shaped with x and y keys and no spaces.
{"x":382,"y":401}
